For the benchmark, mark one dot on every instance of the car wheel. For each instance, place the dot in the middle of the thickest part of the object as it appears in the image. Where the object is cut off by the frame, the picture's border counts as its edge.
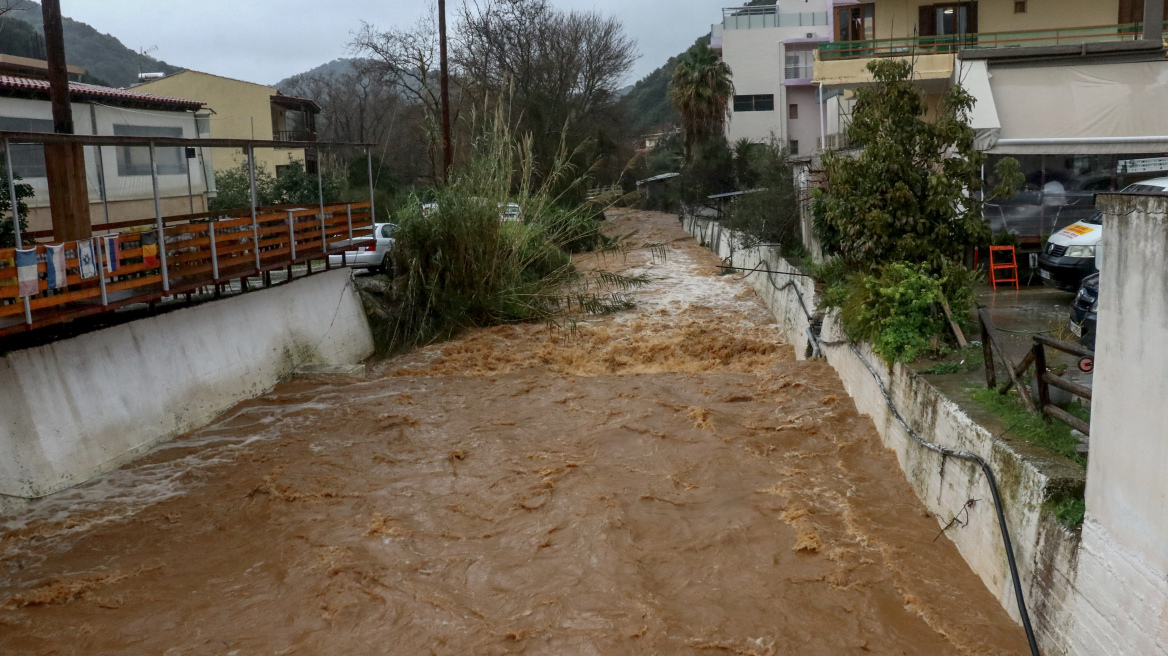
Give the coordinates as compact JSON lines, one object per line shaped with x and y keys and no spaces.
{"x":386,"y":264}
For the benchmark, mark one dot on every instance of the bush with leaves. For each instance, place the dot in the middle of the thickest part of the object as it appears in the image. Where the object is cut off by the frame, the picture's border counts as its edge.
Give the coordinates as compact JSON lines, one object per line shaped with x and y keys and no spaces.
{"x":896,"y":309}
{"x":292,"y":185}
{"x":23,"y":192}
{"x":770,"y":215}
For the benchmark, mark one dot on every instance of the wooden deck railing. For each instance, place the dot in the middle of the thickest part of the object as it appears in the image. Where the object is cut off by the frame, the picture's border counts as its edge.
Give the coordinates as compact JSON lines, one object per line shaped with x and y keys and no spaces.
{"x":205,"y":252}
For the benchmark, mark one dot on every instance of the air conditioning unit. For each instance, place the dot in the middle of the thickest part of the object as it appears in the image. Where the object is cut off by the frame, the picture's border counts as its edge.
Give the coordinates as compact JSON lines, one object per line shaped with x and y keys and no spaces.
{"x":811,"y":35}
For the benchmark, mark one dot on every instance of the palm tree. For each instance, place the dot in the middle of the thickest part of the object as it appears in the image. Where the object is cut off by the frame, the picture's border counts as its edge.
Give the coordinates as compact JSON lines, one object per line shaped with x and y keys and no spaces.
{"x":701,"y":93}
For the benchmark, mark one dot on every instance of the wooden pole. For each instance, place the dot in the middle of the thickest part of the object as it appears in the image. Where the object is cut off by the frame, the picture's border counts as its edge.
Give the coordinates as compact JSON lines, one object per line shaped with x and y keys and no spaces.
{"x":447,"y":145}
{"x":65,"y":162}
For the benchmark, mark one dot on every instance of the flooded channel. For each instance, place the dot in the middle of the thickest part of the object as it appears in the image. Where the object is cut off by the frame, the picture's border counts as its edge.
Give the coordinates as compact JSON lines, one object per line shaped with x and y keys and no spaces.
{"x":666,"y":481}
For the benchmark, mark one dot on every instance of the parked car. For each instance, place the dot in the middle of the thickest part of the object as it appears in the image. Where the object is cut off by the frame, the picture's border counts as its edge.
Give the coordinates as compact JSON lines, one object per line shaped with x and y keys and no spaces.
{"x":371,"y":253}
{"x":1083,"y":311}
{"x":507,"y":211}
{"x":1069,"y":255}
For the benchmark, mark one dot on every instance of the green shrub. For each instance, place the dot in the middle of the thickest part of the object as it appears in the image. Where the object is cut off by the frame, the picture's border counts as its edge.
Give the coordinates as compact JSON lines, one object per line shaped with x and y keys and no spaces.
{"x":897,"y":310}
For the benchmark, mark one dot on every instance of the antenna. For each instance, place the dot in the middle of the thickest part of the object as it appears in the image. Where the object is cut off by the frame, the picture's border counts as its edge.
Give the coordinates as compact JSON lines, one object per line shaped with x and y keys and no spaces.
{"x":144,"y":52}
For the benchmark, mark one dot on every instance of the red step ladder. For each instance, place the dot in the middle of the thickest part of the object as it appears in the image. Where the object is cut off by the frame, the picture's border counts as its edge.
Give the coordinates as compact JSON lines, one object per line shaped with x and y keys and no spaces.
{"x":1002,"y":265}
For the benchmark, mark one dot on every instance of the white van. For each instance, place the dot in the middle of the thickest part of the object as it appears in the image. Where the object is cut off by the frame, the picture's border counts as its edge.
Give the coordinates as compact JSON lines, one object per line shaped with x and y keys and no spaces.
{"x":1069,"y":255}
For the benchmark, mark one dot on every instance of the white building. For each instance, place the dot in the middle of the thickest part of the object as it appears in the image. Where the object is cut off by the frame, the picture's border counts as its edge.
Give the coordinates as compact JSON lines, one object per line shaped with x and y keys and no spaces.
{"x":120,"y":186}
{"x":770,"y":51}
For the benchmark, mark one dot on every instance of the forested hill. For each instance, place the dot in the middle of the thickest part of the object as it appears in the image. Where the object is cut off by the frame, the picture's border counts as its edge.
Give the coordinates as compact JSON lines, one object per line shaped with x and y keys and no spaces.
{"x":106,"y":58}
{"x":648,"y":102}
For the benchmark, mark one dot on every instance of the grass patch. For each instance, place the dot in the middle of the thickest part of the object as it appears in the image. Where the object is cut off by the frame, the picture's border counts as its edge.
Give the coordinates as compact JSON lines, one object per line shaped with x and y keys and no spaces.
{"x":1055,"y":436}
{"x":970,"y":358}
{"x":1068,"y":510}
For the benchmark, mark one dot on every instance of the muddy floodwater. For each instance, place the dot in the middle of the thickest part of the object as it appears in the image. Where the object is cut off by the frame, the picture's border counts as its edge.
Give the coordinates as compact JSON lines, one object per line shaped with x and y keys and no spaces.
{"x":666,"y":481}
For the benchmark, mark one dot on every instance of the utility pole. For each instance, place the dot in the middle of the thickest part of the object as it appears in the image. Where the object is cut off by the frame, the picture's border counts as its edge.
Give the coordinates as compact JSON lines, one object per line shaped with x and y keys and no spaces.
{"x":68,"y":191}
{"x":447,"y":146}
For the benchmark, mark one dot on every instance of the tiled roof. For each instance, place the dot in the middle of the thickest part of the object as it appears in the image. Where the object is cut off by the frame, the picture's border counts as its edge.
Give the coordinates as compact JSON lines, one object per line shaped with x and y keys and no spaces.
{"x":82,"y":92}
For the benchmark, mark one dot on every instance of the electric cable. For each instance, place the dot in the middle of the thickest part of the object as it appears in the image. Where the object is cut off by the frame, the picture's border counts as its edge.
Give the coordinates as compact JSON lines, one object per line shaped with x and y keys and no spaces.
{"x":818,"y":344}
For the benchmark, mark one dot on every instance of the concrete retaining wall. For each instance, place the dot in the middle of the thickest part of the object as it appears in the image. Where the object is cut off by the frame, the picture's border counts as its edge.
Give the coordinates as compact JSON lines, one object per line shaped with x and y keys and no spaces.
{"x":1122,"y":604}
{"x":79,"y":407}
{"x":1046,"y":551}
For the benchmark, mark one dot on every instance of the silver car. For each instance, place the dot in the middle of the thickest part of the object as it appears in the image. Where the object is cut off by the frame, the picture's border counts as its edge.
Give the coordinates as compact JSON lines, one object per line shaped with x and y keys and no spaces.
{"x":370,"y":253}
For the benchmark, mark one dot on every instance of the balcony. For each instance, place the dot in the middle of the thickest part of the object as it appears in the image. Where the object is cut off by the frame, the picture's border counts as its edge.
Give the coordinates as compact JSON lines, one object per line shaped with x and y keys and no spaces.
{"x":299,"y":134}
{"x":753,"y":18}
{"x":951,"y":44}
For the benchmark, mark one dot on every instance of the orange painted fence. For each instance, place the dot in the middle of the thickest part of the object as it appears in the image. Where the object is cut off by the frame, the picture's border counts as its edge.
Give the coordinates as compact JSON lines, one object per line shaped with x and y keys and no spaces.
{"x":197,"y":255}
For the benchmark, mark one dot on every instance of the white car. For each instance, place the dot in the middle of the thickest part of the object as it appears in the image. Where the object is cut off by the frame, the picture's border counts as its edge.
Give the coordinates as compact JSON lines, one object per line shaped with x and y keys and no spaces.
{"x":507,"y":211}
{"x":370,"y":253}
{"x":1069,"y":255}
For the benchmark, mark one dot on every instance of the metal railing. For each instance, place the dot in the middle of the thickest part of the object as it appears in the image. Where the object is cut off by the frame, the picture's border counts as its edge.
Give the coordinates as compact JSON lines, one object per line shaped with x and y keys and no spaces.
{"x":749,"y":18}
{"x":944,"y":44}
{"x":144,"y":264}
{"x":300,"y":135}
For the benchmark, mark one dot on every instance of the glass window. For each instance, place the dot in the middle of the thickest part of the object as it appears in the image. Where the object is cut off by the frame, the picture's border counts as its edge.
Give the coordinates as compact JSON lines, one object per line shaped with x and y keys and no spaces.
{"x":952,"y":19}
{"x":755,"y":103}
{"x":800,"y":65}
{"x":387,"y":231}
{"x":28,"y":160}
{"x":794,"y":147}
{"x":793,"y":111}
{"x":135,"y":160}
{"x":857,"y":23}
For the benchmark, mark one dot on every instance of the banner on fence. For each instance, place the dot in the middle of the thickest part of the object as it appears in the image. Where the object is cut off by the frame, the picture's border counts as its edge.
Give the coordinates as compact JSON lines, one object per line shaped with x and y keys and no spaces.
{"x":26,"y":273}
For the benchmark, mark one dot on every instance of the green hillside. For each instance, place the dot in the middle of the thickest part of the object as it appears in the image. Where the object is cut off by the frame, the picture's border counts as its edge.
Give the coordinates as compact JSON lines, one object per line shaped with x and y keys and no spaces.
{"x":648,"y":102}
{"x":107,"y":59}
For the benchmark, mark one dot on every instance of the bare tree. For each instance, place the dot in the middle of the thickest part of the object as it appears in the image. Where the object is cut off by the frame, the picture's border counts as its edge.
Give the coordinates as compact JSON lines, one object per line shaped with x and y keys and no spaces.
{"x":12,"y":5}
{"x":408,"y":59}
{"x":559,"y":70}
{"x":358,"y":106}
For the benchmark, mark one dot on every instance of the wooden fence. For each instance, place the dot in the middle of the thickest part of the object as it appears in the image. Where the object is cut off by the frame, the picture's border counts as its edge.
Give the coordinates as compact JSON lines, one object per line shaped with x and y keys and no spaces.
{"x":203,"y":252}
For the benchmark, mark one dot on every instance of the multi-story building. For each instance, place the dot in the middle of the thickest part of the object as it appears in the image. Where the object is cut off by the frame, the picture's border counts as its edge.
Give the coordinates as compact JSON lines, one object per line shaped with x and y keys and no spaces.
{"x":1073,"y":89}
{"x":119,"y":178}
{"x":770,"y":50}
{"x":245,"y":110}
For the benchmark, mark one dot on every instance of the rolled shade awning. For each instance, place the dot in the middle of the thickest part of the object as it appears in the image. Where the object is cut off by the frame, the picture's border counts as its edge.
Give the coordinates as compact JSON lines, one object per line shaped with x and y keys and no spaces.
{"x":1081,"y":109}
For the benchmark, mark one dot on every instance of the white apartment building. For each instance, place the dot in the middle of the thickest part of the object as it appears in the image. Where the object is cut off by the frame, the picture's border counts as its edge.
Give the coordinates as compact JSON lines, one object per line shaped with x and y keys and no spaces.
{"x":770,"y":50}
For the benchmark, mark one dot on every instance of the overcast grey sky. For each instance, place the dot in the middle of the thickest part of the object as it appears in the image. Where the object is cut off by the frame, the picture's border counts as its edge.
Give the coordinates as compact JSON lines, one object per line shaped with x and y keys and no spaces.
{"x":267,"y":40}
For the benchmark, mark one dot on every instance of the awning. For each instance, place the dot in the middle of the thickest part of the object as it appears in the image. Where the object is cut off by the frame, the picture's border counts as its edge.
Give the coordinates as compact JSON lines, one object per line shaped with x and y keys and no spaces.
{"x":1081,"y":109}
{"x":975,"y":76}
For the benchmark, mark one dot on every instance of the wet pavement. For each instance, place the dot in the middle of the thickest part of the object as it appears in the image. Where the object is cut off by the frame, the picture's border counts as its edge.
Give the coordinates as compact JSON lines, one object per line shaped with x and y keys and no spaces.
{"x":666,"y":481}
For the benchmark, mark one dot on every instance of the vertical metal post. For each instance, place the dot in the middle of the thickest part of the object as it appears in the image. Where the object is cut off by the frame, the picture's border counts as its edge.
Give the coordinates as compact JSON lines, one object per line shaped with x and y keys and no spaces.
{"x":190,"y":186}
{"x":12,"y":193}
{"x":100,"y":165}
{"x":345,"y":253}
{"x":255,"y":226}
{"x":96,"y":243}
{"x":372,"y":196}
{"x":292,"y":233}
{"x":158,"y":218}
{"x":320,"y":196}
{"x":822,"y":120}
{"x":214,"y":253}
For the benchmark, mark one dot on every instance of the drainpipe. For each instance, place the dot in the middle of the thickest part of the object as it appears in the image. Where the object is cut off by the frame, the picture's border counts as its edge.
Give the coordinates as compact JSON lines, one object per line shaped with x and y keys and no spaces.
{"x":822,"y":120}
{"x":1154,"y":20}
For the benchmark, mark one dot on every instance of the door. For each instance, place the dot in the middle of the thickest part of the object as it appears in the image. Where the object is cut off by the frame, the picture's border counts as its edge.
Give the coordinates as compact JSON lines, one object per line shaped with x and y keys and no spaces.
{"x":856,"y":23}
{"x":948,"y":26}
{"x":1132,"y":11}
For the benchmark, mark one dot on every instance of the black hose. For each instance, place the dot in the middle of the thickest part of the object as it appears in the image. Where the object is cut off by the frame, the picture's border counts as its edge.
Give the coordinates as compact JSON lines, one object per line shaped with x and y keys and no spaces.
{"x":964,"y":455}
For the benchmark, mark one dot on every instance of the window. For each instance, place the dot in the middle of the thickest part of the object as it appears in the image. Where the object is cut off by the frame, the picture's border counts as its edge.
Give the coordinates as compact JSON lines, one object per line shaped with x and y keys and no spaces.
{"x":28,"y":160}
{"x":794,"y":148}
{"x":799,"y":65}
{"x":948,"y":19}
{"x":793,"y":111}
{"x":1020,"y":7}
{"x":135,"y":160}
{"x":856,"y":23}
{"x":756,"y":103}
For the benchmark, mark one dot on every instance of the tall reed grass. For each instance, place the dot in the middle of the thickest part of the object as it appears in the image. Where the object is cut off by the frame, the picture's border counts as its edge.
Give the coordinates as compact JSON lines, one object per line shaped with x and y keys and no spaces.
{"x":459,"y":265}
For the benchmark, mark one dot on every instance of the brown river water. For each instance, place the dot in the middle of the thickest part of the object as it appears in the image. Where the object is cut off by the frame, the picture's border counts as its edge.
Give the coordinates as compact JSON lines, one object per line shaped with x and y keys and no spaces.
{"x":666,"y":481}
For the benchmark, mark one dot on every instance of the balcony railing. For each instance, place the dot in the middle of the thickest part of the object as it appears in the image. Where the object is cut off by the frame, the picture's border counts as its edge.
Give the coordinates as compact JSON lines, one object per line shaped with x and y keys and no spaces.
{"x":748,"y":18}
{"x":294,"y":135}
{"x":947,"y":44}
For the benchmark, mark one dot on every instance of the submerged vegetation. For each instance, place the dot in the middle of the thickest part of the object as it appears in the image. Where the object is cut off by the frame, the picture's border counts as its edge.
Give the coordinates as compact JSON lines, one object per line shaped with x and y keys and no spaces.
{"x":461,"y":266}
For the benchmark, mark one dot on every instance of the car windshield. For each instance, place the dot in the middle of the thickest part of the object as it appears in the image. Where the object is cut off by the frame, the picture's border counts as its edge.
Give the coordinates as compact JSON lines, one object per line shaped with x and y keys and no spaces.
{"x":1096,"y":219}
{"x":387,"y":231}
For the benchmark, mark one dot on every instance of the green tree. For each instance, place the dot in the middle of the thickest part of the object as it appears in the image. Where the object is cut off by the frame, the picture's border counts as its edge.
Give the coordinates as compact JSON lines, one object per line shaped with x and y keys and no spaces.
{"x":770,"y":214}
{"x":701,"y":93}
{"x":913,"y":192}
{"x":292,"y":185}
{"x":23,"y":191}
